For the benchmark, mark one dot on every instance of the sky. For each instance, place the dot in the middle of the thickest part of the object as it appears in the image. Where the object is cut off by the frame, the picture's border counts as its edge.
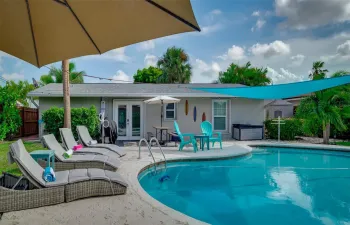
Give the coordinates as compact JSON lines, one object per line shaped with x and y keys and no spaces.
{"x":285,"y":36}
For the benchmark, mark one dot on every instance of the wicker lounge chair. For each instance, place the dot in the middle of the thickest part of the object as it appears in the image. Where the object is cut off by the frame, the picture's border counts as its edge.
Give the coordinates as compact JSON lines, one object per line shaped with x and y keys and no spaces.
{"x":85,"y":138}
{"x":78,"y":161}
{"x":69,"y":142}
{"x":70,"y":185}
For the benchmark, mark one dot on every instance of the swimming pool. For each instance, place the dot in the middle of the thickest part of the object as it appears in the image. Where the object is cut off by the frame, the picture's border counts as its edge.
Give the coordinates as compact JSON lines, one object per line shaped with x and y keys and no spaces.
{"x":270,"y":186}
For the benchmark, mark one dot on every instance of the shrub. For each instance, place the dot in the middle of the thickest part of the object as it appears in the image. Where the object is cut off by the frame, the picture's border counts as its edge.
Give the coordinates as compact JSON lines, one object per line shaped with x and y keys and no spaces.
{"x":10,"y":120}
{"x":53,"y":119}
{"x":289,"y":130}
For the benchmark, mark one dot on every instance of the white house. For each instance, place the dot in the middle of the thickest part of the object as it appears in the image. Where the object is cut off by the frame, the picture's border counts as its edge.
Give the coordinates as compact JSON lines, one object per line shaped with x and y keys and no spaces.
{"x":124,"y":103}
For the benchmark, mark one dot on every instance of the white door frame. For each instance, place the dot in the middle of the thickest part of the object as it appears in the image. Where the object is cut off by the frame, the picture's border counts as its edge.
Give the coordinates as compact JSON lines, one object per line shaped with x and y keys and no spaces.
{"x":227,"y":113}
{"x":129,"y":104}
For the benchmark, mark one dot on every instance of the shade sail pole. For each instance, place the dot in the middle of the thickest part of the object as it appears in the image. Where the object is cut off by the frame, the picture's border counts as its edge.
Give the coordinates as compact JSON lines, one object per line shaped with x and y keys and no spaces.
{"x":66,"y":94}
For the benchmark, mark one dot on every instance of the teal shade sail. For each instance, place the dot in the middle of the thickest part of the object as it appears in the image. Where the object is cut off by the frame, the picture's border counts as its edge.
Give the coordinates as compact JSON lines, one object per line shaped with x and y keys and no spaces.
{"x":280,"y":91}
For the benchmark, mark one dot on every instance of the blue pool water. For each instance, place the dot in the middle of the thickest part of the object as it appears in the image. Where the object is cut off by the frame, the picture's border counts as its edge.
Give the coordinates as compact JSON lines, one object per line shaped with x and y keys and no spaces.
{"x":271,"y":186}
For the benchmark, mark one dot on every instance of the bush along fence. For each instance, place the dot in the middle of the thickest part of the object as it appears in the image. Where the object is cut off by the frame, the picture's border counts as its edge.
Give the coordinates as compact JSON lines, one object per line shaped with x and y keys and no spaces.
{"x":53,"y":120}
{"x":289,"y":130}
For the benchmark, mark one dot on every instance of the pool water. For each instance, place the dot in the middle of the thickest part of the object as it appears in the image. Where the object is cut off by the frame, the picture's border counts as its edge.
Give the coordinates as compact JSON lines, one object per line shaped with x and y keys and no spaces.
{"x":270,"y":186}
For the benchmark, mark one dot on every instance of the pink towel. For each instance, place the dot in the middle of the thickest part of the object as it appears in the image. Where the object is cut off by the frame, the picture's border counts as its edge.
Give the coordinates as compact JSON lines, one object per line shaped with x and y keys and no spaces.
{"x":77,"y":147}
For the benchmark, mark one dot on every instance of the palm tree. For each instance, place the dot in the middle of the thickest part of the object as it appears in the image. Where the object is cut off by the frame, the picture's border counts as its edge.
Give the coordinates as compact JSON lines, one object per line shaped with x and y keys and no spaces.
{"x":66,"y":72}
{"x":328,"y":107}
{"x":175,"y":66}
{"x":317,"y":71}
{"x":55,"y":75}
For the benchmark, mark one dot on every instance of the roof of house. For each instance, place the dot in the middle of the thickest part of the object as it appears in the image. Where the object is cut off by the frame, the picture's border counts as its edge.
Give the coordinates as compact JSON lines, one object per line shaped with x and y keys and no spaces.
{"x":129,"y":90}
{"x":277,"y":103}
{"x":281,"y":103}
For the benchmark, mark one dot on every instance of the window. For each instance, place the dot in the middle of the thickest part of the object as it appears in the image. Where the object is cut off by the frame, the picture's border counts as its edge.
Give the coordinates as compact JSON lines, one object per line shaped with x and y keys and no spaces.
{"x":220,"y":115}
{"x":170,"y":111}
{"x":278,"y":113}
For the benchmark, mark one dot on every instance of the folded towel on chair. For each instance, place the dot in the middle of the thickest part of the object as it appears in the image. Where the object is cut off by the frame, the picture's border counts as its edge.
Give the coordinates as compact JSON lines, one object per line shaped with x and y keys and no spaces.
{"x":68,"y":154}
{"x":92,"y":142}
{"x":49,"y":175}
{"x":77,"y":147}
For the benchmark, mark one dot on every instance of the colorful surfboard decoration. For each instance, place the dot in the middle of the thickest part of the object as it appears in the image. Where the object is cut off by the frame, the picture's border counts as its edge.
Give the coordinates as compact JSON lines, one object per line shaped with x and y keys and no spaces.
{"x":194,"y":114}
{"x":186,"y":107}
{"x":204,"y":118}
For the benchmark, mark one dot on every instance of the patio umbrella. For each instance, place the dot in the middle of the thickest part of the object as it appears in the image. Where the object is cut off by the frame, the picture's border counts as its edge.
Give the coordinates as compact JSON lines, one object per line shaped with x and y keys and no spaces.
{"x":162,"y":99}
{"x":46,"y":31}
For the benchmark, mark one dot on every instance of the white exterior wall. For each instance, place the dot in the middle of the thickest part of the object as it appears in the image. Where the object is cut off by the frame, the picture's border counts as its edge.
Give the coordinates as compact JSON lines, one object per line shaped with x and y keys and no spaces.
{"x":287,"y":111}
{"x":243,"y":111}
{"x":247,"y":111}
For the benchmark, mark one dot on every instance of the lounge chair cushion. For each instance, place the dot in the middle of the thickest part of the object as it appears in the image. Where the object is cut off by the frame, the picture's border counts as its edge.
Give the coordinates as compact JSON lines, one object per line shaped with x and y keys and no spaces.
{"x":78,"y":175}
{"x":61,"y":179}
{"x":115,"y":177}
{"x":68,"y":138}
{"x":107,"y":157}
{"x":85,"y":138}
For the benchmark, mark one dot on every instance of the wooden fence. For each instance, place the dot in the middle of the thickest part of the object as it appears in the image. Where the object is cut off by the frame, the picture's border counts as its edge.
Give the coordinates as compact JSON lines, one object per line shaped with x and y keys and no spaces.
{"x":30,"y":119}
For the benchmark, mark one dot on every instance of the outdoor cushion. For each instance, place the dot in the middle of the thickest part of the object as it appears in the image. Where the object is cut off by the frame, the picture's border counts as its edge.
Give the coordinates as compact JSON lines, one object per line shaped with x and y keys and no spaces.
{"x":85,"y":138}
{"x":78,"y":175}
{"x":20,"y":154}
{"x":115,"y":177}
{"x":61,"y":179}
{"x":104,"y":155}
{"x":97,"y":174}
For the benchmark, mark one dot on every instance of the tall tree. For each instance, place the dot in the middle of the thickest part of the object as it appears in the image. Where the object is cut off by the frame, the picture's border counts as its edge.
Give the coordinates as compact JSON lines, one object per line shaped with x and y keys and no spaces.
{"x":148,"y":75}
{"x":22,"y":88}
{"x":175,"y":66}
{"x":66,"y":75}
{"x":246,"y":75}
{"x":318,"y":72}
{"x":10,"y":119}
{"x":55,"y":75}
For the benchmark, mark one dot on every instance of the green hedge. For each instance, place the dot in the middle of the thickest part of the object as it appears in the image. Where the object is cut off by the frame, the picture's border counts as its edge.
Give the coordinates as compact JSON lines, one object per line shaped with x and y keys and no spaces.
{"x":53,"y":119}
{"x":291,"y":128}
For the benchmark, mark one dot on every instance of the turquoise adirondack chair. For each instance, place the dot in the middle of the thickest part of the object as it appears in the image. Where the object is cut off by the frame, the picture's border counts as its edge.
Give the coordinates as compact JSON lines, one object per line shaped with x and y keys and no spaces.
{"x":207,"y":129}
{"x":184,"y":142}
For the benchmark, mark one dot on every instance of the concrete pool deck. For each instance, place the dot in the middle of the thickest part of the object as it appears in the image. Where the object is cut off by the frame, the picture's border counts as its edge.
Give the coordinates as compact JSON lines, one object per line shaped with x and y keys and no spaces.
{"x":136,"y":207}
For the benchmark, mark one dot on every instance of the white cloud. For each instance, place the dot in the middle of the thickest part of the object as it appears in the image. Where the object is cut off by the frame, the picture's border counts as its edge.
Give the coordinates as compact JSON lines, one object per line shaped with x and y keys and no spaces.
{"x":216,"y":12}
{"x":115,"y":54}
{"x":344,"y":49}
{"x":256,"y":13}
{"x":234,"y":53}
{"x":209,"y":29}
{"x":283,"y":76}
{"x":121,"y":77}
{"x":258,"y":25}
{"x":13,"y":76}
{"x":273,"y":49}
{"x":150,"y":60}
{"x":342,"y":54}
{"x":146,"y":45}
{"x":204,"y":72}
{"x":297,"y":60}
{"x":303,"y":14}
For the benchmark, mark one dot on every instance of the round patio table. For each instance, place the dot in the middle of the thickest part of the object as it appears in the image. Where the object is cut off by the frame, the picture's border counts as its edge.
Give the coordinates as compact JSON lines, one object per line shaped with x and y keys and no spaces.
{"x":201,"y":138}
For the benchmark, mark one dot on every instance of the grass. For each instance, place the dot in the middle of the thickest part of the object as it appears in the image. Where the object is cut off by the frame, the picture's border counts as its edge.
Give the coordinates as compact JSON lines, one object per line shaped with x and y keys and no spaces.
{"x":343,"y":143}
{"x":4,"y":148}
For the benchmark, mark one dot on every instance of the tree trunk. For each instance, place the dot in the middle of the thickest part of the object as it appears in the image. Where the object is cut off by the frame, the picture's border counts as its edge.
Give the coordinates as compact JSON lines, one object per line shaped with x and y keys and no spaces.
{"x":326,"y":133}
{"x":66,"y":94}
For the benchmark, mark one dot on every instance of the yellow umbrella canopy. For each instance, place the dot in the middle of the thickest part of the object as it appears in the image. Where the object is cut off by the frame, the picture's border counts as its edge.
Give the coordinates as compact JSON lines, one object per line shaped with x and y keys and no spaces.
{"x":46,"y":31}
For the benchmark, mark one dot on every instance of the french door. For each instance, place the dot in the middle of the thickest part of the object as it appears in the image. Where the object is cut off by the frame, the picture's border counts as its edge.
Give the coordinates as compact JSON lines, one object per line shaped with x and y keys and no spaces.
{"x":128,"y":115}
